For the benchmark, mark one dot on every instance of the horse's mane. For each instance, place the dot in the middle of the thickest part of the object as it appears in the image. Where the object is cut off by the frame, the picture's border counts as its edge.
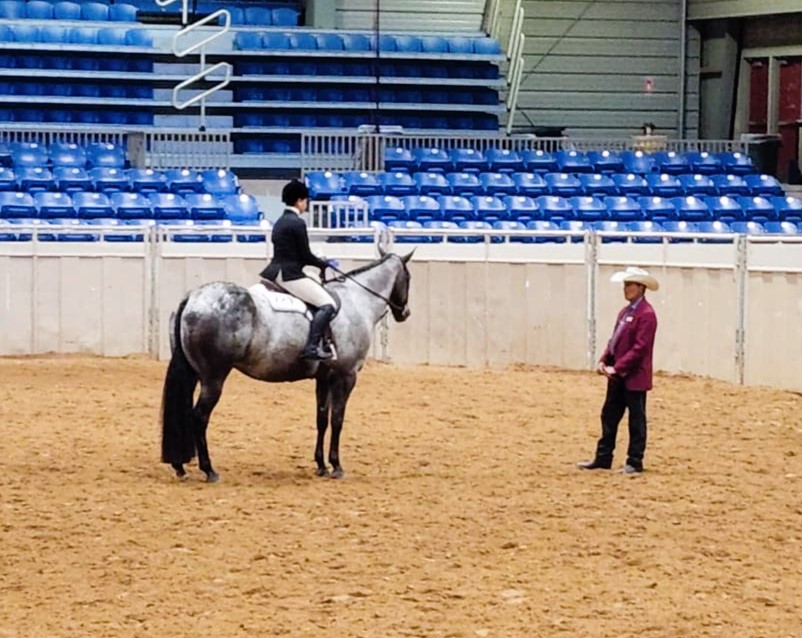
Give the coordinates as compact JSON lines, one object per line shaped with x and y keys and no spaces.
{"x":369,"y":266}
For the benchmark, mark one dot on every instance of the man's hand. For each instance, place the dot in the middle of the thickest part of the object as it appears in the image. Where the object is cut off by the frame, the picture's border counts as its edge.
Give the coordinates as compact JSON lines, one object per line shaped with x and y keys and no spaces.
{"x":601,"y":368}
{"x":609,"y":371}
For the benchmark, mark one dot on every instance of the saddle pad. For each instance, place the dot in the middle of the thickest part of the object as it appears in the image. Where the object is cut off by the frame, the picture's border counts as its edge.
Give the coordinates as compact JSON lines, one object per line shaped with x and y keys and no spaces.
{"x":281,"y":302}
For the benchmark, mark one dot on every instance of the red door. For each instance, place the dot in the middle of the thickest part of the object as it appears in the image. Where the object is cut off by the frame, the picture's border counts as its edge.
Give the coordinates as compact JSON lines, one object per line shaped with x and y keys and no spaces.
{"x":758,"y":95}
{"x":790,"y":108}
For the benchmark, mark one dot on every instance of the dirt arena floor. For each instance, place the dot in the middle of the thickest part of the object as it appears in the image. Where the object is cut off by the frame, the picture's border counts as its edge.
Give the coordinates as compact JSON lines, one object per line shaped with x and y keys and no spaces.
{"x":462,"y":513}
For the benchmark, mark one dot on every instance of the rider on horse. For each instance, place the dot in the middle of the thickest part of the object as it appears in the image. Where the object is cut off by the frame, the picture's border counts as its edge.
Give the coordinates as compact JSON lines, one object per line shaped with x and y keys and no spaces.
{"x":290,"y":254}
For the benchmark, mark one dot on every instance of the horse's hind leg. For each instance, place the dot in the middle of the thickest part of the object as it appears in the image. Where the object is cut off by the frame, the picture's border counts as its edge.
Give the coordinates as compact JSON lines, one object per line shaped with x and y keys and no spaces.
{"x":323,"y":396}
{"x":340,"y":391}
{"x":209,"y":396}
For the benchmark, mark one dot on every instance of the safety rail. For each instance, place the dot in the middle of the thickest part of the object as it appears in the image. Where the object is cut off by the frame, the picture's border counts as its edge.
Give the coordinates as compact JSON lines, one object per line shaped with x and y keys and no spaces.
{"x":183,"y":148}
{"x":70,"y":134}
{"x":364,"y":150}
{"x":337,"y":214}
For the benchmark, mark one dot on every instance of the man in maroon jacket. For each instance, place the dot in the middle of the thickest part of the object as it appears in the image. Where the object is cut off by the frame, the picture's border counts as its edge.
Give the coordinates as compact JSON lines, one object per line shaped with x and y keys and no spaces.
{"x":627,"y":364}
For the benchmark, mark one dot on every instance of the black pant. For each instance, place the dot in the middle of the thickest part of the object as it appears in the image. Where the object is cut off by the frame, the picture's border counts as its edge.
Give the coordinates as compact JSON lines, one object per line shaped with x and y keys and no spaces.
{"x":617,"y":400}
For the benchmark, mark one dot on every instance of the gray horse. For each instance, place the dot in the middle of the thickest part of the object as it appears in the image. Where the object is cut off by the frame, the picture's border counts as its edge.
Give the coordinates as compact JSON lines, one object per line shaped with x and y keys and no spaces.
{"x":221,"y":326}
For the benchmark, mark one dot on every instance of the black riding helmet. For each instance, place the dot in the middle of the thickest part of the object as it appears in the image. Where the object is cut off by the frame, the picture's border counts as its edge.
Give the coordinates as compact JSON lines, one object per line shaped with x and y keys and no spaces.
{"x":294,"y":191}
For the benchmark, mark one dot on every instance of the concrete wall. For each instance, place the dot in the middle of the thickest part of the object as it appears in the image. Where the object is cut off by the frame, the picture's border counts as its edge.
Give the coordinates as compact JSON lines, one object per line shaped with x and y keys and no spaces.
{"x":411,"y":15}
{"x":706,"y":9}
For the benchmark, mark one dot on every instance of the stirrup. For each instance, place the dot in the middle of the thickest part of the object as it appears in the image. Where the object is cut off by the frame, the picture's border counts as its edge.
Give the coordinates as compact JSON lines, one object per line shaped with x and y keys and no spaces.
{"x":318,"y":353}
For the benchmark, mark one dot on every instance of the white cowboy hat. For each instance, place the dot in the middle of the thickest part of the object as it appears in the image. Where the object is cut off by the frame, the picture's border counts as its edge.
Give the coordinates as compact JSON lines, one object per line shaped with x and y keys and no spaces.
{"x":633,"y":274}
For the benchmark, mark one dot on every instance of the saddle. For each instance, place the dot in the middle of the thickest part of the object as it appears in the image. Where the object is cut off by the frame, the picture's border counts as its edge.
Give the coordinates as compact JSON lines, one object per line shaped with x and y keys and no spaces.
{"x":282,"y":301}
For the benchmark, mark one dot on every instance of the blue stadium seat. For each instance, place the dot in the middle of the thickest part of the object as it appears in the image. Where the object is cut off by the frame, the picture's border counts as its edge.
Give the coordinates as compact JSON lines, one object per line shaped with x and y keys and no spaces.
{"x":434,"y":44}
{"x":456,"y":208}
{"x":183,"y":180}
{"x":486,"y":46}
{"x":788,"y":208}
{"x":597,"y":184}
{"x":67,"y":11}
{"x":714,"y":227}
{"x":303,"y":42}
{"x":398,"y":224}
{"x":168,"y":206}
{"x":275,"y":41}
{"x":672,"y":163}
{"x":432,"y":184}
{"x":630,"y":184}
{"x":613,"y":231}
{"x":398,"y":159}
{"x":15,"y":204}
{"x":39,"y":10}
{"x":530,"y":184}
{"x":542,"y":226}
{"x":386,"y":42}
{"x":658,"y":209}
{"x":522,"y":208}
{"x":107,"y":179}
{"x":696,"y":184}
{"x":29,"y":154}
{"x":704,"y":163}
{"x":490,"y":209}
{"x":35,"y":178}
{"x":131,"y":206}
{"x":109,"y":235}
{"x":220,"y":182}
{"x":385,"y":208}
{"x":323,"y":185}
{"x":747,"y":228}
{"x":664,"y":185}
{"x":460,"y":44}
{"x":737,"y":163}
{"x":692,"y":209}
{"x":407,"y":43}
{"x":563,"y":184}
{"x":92,"y":205}
{"x":398,"y":183}
{"x":589,"y":208}
{"x":361,"y":183}
{"x":108,"y":155}
{"x":729,"y":185}
{"x":70,"y":155}
{"x":573,"y":162}
{"x":355,"y":42}
{"x":72,"y":179}
{"x":53,"y":205}
{"x":241,"y":208}
{"x":94,"y":11}
{"x":12,"y":10}
{"x":623,"y":209}
{"x":71,"y":229}
{"x":763,"y":185}
{"x":471,"y":224}
{"x":8,"y":179}
{"x":504,"y":161}
{"x":25,"y":33}
{"x":509,"y":225}
{"x":780,"y":228}
{"x":758,"y":208}
{"x":555,"y":208}
{"x":679,"y":227}
{"x":575,"y":226}
{"x":259,"y":16}
{"x":637,"y":162}
{"x":121,"y":12}
{"x":204,"y":206}
{"x":431,"y":160}
{"x":146,"y":180}
{"x":284,"y":17}
{"x":725,"y":208}
{"x":606,"y":161}
{"x":248,"y":41}
{"x":646,"y":230}
{"x":422,"y":208}
{"x":464,"y":184}
{"x":467,"y":160}
{"x":539,"y":161}
{"x":329,"y":42}
{"x":497,"y":184}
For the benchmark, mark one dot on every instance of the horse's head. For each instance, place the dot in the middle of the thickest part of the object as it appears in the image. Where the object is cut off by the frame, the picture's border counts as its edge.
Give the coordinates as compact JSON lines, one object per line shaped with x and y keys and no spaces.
{"x":399,"y":295}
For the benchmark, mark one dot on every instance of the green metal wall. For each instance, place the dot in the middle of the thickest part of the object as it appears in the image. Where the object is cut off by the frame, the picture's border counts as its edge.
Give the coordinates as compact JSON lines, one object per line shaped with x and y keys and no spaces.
{"x":587,"y":64}
{"x":706,"y":9}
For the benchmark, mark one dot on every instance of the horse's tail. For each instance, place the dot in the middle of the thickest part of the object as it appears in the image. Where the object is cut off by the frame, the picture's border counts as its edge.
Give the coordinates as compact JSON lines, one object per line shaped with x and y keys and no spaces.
{"x":178,"y":441}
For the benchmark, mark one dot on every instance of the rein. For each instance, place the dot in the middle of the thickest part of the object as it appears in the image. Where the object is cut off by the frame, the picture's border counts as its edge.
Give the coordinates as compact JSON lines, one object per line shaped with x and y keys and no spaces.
{"x":386,"y":300}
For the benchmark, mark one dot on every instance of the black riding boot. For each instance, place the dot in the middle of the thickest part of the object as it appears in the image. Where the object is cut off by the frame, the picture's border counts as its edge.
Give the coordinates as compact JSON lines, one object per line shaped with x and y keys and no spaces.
{"x":314,"y":348}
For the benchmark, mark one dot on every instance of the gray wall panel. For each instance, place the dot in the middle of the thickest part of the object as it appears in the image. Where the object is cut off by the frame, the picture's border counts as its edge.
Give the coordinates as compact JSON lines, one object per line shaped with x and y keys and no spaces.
{"x":706,"y":9}
{"x":412,"y":15}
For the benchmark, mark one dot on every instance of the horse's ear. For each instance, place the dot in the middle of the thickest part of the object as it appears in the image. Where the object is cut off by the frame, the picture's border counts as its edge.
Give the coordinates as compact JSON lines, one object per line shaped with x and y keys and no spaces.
{"x":408,"y":257}
{"x":382,"y":252}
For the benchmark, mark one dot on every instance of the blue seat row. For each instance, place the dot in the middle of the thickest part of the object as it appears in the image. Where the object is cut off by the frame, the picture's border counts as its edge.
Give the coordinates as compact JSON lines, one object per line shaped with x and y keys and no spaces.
{"x":102,"y":88}
{"x":109,"y":179}
{"x":352,"y":118}
{"x":41,"y":10}
{"x":366,"y":93}
{"x":58,"y":34}
{"x":114,"y":116}
{"x":540,"y":161}
{"x":324,"y":185}
{"x":363,"y":67}
{"x":387,"y":208}
{"x":353,"y":42}
{"x":34,"y":154}
{"x":86,"y":205}
{"x":131,"y":230}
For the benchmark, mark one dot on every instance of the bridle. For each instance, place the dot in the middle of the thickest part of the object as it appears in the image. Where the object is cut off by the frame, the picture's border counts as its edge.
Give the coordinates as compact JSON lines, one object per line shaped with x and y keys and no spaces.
{"x":386,"y":300}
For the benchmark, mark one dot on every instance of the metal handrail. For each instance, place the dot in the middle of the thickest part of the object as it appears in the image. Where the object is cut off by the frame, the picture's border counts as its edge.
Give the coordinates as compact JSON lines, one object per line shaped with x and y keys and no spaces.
{"x":224,"y":66}
{"x":224,"y":29}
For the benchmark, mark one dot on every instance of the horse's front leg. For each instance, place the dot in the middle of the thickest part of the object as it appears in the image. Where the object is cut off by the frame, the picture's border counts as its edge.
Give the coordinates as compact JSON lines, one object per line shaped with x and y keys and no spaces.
{"x":323,"y":396}
{"x":340,"y":391}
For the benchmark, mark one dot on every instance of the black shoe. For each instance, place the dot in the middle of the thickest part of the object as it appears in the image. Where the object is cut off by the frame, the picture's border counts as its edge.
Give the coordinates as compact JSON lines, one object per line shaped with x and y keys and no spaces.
{"x":595,"y":464}
{"x":317,"y":353}
{"x":630,"y":469}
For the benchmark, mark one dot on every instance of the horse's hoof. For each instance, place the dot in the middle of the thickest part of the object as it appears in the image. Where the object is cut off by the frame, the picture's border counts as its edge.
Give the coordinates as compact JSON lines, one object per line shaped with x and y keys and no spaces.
{"x":337,"y":473}
{"x":322,"y":471}
{"x":212,"y":477}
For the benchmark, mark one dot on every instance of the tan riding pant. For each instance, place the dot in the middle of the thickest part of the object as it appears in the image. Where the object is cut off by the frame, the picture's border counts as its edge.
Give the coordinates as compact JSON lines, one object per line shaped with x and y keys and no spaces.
{"x":308,"y":290}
